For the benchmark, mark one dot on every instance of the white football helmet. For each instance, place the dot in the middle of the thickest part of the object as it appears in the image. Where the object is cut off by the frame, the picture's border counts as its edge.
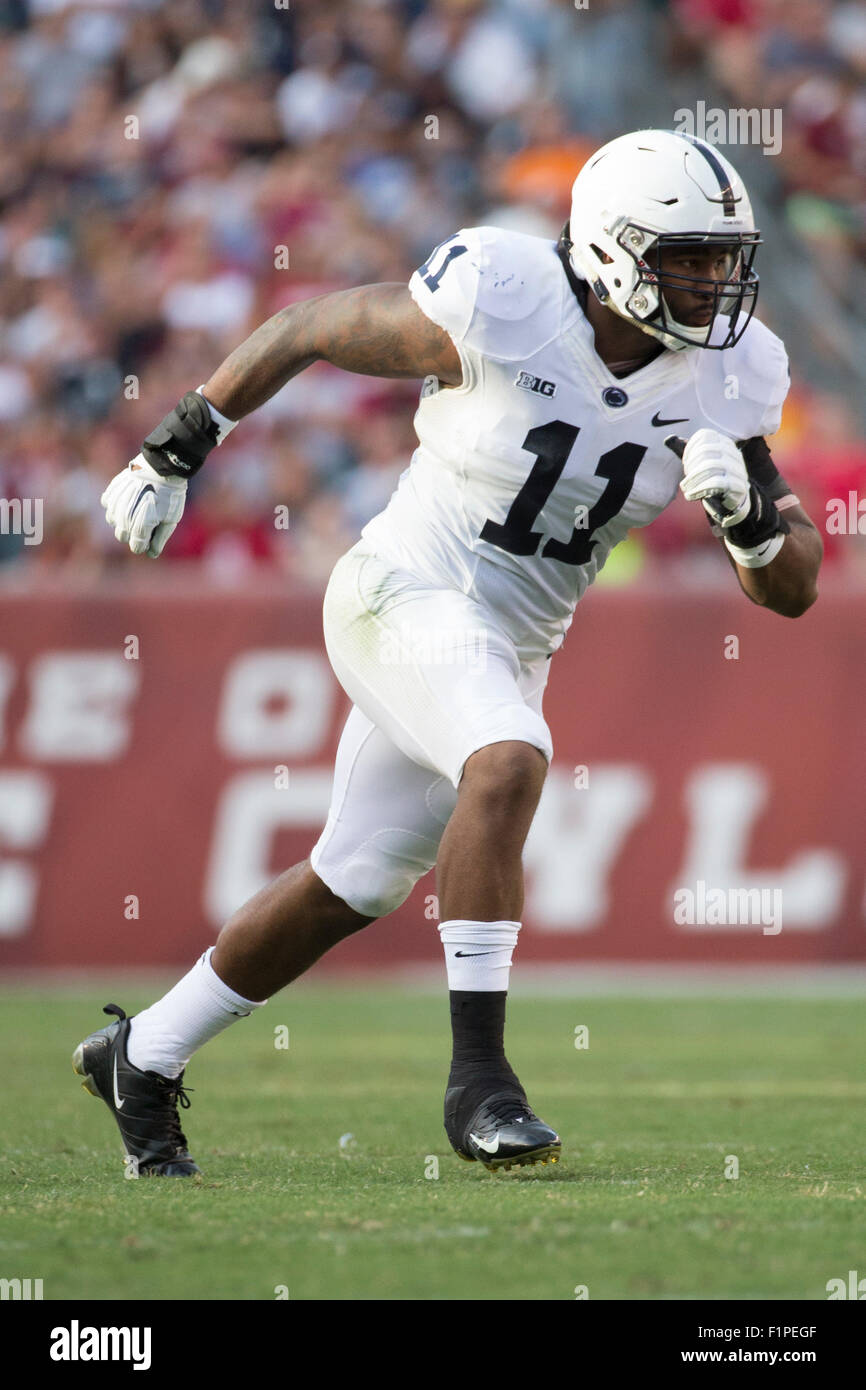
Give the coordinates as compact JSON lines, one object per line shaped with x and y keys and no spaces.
{"x":648,"y":191}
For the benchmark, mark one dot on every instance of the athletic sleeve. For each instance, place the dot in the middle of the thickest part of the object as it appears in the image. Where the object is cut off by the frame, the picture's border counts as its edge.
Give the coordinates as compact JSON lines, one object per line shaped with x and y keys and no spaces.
{"x":762,"y":470}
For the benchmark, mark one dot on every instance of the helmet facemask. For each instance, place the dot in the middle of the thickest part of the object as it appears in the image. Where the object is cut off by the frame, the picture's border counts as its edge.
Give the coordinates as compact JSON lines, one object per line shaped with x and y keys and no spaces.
{"x":733,"y":297}
{"x":645,"y":305}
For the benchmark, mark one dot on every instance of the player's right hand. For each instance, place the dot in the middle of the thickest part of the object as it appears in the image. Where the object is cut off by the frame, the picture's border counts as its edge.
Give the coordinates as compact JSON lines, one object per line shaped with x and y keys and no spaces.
{"x":143,"y":506}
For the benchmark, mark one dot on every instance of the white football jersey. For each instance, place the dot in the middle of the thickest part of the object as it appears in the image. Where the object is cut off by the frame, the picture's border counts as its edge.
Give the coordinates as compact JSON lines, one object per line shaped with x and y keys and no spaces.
{"x":530,"y":472}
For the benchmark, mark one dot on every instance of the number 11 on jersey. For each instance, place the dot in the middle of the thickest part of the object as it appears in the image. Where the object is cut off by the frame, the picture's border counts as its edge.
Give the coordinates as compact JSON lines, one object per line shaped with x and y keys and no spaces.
{"x":551,"y":444}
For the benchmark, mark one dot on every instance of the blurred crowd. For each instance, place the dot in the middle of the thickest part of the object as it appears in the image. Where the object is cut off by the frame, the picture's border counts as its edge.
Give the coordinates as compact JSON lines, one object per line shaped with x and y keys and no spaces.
{"x":173,"y":172}
{"x":806,"y":58}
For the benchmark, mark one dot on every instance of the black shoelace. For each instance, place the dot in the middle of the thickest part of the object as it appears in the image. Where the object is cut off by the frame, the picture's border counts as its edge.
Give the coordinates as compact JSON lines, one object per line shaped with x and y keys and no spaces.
{"x":174,"y":1094}
{"x":510,"y":1108}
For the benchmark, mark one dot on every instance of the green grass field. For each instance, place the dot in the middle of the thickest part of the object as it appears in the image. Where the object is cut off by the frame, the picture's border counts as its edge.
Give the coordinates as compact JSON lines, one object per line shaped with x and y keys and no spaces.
{"x":638,"y":1208}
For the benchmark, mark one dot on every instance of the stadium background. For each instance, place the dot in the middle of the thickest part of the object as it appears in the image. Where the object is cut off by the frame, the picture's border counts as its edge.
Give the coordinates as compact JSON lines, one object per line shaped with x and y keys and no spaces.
{"x":171,"y":175}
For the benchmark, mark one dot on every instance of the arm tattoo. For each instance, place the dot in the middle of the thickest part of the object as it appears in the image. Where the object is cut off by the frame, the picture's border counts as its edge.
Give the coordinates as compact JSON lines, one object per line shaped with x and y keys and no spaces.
{"x":377,"y":330}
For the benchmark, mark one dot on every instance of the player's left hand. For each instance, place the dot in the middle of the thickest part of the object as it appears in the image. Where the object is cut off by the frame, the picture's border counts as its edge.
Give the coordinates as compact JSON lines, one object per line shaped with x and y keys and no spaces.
{"x":714,"y":472}
{"x":144,"y":507}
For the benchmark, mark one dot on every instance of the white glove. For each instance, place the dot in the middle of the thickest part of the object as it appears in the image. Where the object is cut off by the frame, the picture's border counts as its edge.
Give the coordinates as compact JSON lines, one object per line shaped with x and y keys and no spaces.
{"x":715,"y":473}
{"x":143,"y":506}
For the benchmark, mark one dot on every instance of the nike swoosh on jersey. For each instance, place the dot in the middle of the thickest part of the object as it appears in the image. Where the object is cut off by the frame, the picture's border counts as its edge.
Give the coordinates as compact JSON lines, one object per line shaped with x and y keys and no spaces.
{"x":658,"y":421}
{"x":488,"y":1145}
{"x":119,"y":1104}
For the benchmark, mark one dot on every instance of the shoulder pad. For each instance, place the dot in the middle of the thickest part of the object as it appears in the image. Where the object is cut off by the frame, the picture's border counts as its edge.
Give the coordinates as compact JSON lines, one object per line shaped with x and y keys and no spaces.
{"x":744,"y":388}
{"x":500,"y":293}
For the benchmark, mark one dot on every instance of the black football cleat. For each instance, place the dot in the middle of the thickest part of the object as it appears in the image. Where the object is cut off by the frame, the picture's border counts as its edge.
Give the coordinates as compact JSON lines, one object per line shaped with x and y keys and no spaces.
{"x":501,"y":1131}
{"x":143,"y":1103}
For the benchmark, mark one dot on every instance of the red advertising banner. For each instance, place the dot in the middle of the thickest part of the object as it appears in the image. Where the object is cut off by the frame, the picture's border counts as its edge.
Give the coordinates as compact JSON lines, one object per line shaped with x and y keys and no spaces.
{"x":162,"y":757}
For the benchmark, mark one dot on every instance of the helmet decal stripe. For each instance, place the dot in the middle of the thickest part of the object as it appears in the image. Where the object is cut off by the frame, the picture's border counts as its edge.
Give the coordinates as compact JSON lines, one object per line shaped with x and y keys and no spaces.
{"x":728,"y":201}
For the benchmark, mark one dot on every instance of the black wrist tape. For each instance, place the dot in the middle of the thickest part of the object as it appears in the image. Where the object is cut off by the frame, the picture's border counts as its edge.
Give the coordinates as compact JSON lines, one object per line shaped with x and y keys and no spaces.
{"x":182,"y":441}
{"x":764,"y":520}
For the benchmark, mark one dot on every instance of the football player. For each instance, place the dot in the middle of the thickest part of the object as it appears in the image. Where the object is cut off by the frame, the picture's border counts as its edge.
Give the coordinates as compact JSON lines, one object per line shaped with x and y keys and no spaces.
{"x":569,"y":390}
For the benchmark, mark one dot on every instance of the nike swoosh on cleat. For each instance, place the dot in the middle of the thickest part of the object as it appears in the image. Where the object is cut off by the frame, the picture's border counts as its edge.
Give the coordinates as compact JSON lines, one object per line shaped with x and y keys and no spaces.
{"x":658,"y":421}
{"x":489,"y":1146}
{"x":469,"y":954}
{"x":119,"y":1104}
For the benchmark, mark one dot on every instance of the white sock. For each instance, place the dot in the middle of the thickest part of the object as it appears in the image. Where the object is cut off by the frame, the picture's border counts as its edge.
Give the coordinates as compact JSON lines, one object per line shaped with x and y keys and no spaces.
{"x":478,"y":954}
{"x":164,"y":1037}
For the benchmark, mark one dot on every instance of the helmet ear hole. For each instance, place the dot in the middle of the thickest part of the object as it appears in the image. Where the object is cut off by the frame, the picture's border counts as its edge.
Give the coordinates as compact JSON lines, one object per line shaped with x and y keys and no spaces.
{"x":602,"y":255}
{"x":618,"y":284}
